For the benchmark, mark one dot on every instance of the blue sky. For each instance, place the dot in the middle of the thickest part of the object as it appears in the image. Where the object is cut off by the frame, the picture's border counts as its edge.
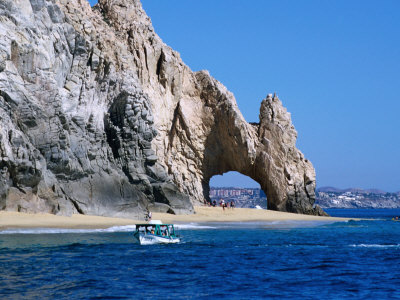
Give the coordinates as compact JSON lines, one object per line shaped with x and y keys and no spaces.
{"x":334,"y":64}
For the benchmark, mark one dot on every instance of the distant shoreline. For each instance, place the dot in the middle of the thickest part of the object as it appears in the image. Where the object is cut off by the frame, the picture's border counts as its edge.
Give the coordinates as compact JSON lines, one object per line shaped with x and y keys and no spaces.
{"x":326,"y":197}
{"x":10,"y":220}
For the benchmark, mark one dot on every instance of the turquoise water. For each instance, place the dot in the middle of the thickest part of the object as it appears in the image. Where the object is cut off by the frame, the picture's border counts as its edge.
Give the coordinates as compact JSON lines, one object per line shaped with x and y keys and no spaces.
{"x":318,"y":260}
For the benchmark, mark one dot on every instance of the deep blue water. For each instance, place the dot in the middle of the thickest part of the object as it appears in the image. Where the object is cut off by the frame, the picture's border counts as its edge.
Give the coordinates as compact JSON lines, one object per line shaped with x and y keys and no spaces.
{"x":355,"y":259}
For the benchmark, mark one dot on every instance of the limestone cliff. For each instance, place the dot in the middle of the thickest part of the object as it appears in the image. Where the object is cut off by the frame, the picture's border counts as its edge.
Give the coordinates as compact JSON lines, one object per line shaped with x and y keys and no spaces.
{"x":99,"y":116}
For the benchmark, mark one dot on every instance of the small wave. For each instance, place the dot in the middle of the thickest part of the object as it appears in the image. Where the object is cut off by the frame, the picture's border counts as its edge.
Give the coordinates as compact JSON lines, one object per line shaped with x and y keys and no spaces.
{"x":288,"y":224}
{"x":192,"y":226}
{"x":126,"y":228}
{"x":281,"y":224}
{"x":375,"y":245}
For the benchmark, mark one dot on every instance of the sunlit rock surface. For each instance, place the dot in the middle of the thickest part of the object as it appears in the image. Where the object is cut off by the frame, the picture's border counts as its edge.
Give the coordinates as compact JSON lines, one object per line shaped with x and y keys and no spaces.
{"x":99,"y":116}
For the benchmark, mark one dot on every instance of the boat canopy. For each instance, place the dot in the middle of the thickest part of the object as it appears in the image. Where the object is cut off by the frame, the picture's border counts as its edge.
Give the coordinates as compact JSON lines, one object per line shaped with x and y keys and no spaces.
{"x":152,"y":225}
{"x":157,"y":229}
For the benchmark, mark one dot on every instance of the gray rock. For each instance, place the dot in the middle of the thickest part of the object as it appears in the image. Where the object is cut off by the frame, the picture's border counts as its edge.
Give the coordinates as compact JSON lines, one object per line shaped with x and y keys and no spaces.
{"x":152,"y":158}
{"x":86,"y":104}
{"x":168,"y":193}
{"x":37,"y":5}
{"x":161,"y":208}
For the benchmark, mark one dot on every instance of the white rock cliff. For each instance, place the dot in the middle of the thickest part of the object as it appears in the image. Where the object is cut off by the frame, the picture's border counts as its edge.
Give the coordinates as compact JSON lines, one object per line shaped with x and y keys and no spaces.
{"x":99,"y":116}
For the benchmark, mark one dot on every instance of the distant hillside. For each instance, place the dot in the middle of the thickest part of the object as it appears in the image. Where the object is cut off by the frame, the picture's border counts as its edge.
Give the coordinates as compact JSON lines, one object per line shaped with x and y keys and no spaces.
{"x":326,"y":197}
{"x":328,"y":189}
{"x":330,"y":197}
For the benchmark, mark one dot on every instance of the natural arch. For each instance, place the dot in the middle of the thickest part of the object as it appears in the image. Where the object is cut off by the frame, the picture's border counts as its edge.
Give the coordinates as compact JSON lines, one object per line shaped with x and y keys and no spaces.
{"x":200,"y":130}
{"x":229,"y":148}
{"x":211,"y":137}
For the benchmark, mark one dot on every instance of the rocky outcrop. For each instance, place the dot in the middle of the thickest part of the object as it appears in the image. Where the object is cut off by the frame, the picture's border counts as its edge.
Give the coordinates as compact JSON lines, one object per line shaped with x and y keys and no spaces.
{"x":99,"y":116}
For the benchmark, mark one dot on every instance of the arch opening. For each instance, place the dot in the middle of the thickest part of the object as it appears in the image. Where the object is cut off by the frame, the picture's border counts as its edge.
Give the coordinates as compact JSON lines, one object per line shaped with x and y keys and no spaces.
{"x":235,"y":187}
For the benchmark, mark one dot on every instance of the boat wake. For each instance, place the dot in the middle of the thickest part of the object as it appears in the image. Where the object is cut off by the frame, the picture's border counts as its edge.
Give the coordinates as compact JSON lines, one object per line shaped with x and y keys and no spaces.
{"x":125,"y":228}
{"x":193,"y":226}
{"x":382,"y":246}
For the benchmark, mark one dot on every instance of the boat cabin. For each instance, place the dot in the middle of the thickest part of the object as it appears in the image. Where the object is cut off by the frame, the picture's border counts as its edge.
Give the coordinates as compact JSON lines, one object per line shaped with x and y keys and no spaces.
{"x":166,"y":230}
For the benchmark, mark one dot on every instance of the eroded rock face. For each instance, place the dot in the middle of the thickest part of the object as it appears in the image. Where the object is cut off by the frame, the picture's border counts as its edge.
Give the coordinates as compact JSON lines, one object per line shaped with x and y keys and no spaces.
{"x":99,"y":116}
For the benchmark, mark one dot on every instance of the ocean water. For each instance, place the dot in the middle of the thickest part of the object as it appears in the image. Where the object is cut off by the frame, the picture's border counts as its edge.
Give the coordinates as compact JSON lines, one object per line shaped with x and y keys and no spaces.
{"x":302,"y":260}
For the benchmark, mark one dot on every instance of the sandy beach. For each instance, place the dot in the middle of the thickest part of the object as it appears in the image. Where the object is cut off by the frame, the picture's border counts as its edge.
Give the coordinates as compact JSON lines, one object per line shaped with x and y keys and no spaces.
{"x":217,"y":214}
{"x":202,"y":215}
{"x":23,"y":220}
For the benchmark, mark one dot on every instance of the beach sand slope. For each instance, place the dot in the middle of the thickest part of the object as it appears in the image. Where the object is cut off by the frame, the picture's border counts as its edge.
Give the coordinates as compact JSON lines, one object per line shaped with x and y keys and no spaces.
{"x":202,"y":215}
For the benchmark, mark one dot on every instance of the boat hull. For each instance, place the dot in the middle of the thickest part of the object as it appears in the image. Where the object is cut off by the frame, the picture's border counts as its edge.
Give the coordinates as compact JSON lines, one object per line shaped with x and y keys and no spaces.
{"x":150,"y":239}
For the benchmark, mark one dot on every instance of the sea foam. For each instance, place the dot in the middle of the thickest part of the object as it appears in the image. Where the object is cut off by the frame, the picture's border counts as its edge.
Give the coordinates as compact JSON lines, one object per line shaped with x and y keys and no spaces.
{"x":181,"y":226}
{"x":125,"y":228}
{"x":375,"y":245}
{"x":193,"y":226}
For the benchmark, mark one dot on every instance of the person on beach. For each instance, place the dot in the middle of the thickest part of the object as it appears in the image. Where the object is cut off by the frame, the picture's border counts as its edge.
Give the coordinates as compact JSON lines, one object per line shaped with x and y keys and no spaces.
{"x":232,"y":204}
{"x":149,"y":215}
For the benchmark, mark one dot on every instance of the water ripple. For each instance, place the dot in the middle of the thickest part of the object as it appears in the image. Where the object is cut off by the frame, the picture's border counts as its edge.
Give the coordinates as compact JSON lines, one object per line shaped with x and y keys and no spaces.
{"x":328,"y":261}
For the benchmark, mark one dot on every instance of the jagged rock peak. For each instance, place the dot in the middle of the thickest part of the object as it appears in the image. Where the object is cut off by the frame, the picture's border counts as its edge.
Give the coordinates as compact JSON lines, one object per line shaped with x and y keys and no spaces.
{"x":125,"y":13}
{"x":99,"y":116}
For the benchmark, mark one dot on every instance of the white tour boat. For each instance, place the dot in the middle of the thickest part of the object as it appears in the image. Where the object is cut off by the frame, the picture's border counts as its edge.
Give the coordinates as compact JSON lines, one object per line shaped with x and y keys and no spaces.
{"x":156,"y":233}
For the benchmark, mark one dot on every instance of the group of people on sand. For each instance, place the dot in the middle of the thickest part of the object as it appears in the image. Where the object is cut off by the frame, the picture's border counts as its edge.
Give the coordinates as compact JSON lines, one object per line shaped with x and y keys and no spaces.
{"x":223,"y":204}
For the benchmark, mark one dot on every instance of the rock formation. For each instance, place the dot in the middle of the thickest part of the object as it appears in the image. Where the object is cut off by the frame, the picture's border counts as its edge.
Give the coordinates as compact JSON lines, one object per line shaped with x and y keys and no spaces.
{"x":99,"y":116}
